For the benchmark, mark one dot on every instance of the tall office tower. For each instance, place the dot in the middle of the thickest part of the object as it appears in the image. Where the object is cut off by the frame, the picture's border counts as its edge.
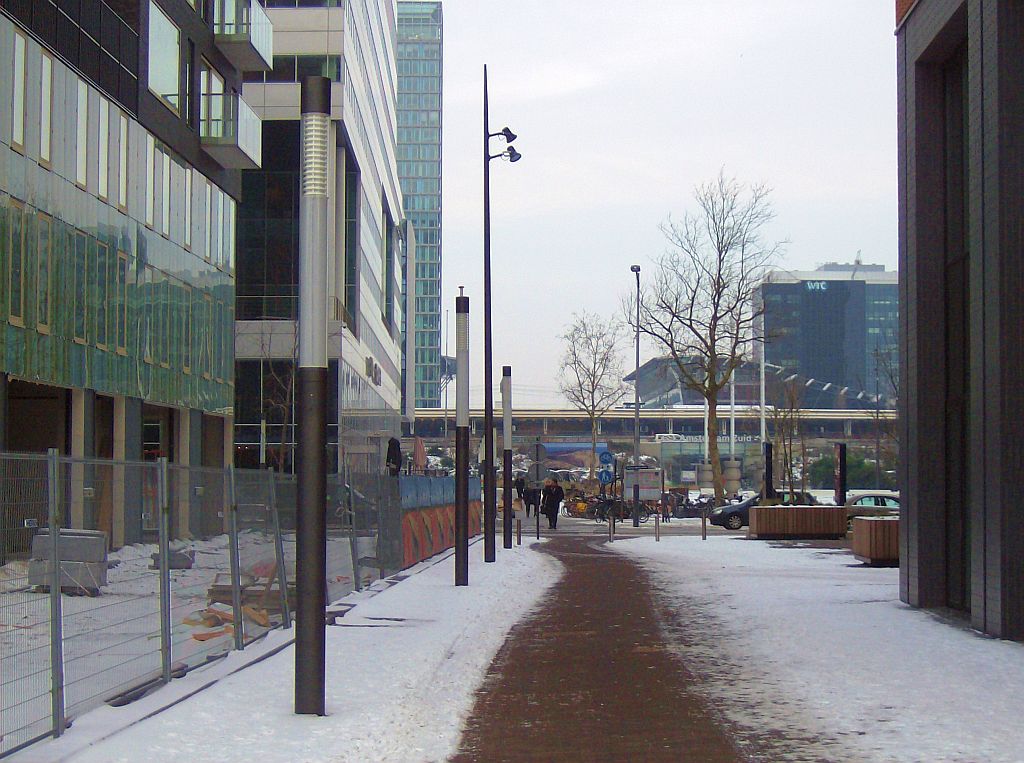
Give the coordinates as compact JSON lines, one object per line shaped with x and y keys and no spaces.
{"x":353,"y":44}
{"x":122,"y":133}
{"x":420,"y":40}
{"x":836,"y":324}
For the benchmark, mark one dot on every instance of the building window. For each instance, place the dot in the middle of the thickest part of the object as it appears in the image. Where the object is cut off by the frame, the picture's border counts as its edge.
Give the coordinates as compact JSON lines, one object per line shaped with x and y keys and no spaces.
{"x":44,"y":258}
{"x":18,"y":103}
{"x":211,"y":105}
{"x":122,"y":162}
{"x":100,"y":282}
{"x":164,"y":58}
{"x":207,"y":363}
{"x":121,"y":304}
{"x":81,"y":277}
{"x":209,"y":224}
{"x":188,"y":207}
{"x":150,"y":180}
{"x":104,"y":147}
{"x":45,"y":108}
{"x":186,"y":334}
{"x":165,"y":207}
{"x":82,"y":137}
{"x":16,"y":271}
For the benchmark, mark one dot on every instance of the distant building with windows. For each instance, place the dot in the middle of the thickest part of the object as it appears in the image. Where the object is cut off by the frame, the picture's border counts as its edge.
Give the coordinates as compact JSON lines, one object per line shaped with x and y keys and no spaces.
{"x":122,"y":133}
{"x":352,"y":44}
{"x":419,"y":58}
{"x":838,"y":324}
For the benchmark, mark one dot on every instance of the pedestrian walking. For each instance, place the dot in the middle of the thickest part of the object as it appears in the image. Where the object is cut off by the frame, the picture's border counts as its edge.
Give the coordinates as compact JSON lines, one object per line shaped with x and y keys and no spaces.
{"x":531,"y":497}
{"x":551,"y":500}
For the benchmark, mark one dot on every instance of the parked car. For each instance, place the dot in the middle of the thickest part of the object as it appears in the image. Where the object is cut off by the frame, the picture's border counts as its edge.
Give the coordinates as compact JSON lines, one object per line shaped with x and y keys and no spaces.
{"x":874,"y":503}
{"x":734,"y":515}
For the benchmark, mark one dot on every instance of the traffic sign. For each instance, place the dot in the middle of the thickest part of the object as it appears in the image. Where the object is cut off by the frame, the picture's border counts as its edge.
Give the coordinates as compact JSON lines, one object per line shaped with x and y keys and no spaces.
{"x":606,"y":457}
{"x":606,"y":476}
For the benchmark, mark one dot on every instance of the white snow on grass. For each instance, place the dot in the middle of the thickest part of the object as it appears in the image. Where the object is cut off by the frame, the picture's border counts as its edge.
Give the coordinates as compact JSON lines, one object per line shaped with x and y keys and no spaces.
{"x":402,"y":669}
{"x":809,"y":642}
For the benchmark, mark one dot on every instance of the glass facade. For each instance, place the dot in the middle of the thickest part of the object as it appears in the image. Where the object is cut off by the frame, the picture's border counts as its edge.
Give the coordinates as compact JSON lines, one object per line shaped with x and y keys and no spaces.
{"x":839,"y":331}
{"x":419,"y":59}
{"x":104,"y":290}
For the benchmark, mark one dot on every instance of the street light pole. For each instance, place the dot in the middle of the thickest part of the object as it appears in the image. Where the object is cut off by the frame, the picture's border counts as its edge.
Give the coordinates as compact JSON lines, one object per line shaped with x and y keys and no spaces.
{"x":636,"y":408}
{"x":311,"y":527}
{"x":490,"y":505}
{"x":506,"y":432}
{"x":461,"y":439}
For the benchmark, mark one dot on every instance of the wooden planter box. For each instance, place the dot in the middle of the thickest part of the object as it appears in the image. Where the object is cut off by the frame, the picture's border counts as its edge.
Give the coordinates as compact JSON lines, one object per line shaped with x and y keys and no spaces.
{"x":876,"y":540}
{"x":797,"y":522}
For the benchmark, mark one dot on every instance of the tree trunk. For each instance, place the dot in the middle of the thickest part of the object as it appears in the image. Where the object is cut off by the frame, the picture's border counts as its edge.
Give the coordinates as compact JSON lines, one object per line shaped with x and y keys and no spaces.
{"x":593,"y":445}
{"x":713,"y":456}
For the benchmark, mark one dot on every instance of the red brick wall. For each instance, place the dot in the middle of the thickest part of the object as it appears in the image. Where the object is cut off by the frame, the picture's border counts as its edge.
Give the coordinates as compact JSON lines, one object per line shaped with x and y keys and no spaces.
{"x":902,"y":7}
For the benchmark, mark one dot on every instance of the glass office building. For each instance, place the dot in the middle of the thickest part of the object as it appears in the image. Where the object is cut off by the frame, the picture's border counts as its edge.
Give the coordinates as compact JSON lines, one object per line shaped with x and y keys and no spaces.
{"x":352,"y":44}
{"x":837,"y":324}
{"x":419,"y":58}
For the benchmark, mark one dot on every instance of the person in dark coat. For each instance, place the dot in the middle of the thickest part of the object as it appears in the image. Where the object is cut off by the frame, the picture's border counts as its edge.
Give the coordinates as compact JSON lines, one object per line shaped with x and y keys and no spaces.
{"x":519,"y":484}
{"x":531,"y":497}
{"x":394,"y":458}
{"x":551,"y":501}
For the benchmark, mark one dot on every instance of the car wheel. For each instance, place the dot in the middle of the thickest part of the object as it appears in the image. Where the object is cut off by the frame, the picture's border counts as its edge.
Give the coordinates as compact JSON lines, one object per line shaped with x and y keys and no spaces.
{"x":734,"y":521}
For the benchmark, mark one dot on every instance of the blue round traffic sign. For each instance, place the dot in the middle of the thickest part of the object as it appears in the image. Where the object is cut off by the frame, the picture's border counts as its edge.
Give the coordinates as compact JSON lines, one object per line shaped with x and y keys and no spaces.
{"x":605,"y":457}
{"x":606,"y":476}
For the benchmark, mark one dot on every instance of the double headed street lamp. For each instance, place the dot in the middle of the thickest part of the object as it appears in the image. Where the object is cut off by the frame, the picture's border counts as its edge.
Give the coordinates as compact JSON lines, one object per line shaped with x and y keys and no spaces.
{"x":636,"y":408}
{"x":490,"y":506}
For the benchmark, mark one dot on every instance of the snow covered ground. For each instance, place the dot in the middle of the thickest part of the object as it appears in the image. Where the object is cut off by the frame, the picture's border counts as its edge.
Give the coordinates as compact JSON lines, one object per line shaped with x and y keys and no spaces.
{"x":402,"y":666}
{"x":809,"y":641}
{"x":790,"y":643}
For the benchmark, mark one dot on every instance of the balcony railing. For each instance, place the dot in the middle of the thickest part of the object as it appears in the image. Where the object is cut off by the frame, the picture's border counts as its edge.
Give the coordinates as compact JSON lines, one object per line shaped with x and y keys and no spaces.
{"x":244,"y":34}
{"x":230,"y":131}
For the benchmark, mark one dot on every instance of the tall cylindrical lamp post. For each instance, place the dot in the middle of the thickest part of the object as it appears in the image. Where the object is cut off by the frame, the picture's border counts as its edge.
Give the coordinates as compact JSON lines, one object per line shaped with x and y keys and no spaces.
{"x":461,"y":439}
{"x":311,"y":527}
{"x":636,"y":408}
{"x":490,"y":505}
{"x":506,"y":436}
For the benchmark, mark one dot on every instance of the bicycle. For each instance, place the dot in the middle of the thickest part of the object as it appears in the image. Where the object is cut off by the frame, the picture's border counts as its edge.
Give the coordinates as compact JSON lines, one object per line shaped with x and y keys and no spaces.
{"x":613,"y":507}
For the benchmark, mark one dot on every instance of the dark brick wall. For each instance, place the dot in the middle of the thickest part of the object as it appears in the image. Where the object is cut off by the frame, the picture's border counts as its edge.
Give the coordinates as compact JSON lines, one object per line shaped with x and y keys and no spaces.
{"x":937,"y":569}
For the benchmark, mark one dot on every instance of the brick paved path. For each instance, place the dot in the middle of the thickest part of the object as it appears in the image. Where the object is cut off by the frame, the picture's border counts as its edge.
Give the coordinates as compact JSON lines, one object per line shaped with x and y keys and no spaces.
{"x":587,"y":679}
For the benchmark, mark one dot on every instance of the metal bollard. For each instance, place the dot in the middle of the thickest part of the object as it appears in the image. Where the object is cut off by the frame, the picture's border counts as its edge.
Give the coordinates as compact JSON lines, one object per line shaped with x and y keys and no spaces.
{"x":611,"y":528}
{"x":536,"y":514}
{"x":519,"y":532}
{"x":657,"y":527}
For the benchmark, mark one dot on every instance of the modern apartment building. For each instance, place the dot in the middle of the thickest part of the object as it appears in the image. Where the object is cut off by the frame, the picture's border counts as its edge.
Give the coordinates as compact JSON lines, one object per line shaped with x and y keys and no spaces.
{"x":961,"y":190}
{"x":353,"y":44}
{"x":420,"y":57}
{"x":836,"y":324}
{"x":122,"y":133}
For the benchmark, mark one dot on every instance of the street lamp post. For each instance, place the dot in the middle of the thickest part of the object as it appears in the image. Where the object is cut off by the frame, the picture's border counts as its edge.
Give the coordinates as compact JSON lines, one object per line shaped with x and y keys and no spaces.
{"x":461,"y":439}
{"x":490,"y":507}
{"x":636,"y":408}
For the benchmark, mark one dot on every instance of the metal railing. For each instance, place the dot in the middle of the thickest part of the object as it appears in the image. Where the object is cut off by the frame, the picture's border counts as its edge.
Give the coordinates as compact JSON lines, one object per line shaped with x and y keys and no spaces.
{"x":116,"y":577}
{"x":245,"y":19}
{"x":226,"y":119}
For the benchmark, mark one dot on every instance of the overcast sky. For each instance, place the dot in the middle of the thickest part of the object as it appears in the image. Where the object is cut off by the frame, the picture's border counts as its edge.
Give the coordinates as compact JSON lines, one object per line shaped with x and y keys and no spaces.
{"x":622,"y":108}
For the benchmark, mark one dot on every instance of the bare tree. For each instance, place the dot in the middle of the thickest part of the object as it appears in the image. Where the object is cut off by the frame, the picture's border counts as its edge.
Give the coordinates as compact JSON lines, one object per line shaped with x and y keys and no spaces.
{"x":701,"y":306}
{"x":591,"y":376}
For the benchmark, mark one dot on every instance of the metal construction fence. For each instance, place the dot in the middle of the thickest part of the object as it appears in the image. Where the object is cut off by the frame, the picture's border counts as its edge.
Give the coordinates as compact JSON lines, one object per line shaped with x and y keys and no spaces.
{"x":116,"y":577}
